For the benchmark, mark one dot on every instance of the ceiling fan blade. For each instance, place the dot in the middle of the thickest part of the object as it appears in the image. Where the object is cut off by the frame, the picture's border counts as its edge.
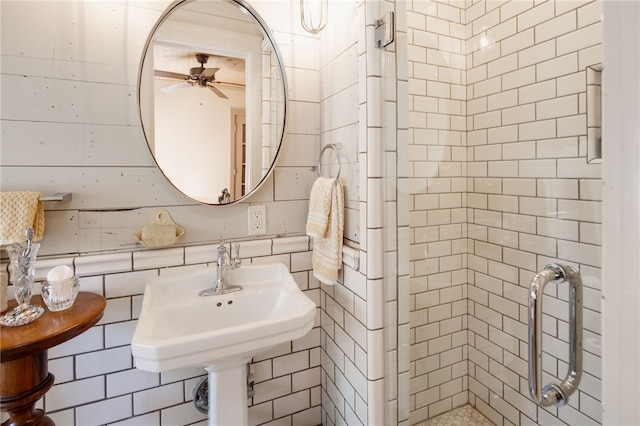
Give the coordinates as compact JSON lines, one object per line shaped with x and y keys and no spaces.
{"x":208,"y":73}
{"x":175,"y":87}
{"x":169,"y":74}
{"x":218,"y":92}
{"x":227,"y":84}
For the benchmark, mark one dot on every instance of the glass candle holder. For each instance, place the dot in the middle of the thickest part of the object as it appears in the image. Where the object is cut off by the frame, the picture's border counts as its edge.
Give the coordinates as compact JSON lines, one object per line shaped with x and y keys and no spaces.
{"x":60,"y":295}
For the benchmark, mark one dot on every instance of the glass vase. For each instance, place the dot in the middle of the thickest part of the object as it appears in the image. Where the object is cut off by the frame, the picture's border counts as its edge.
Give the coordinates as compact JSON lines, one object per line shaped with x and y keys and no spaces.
{"x":22,"y":265}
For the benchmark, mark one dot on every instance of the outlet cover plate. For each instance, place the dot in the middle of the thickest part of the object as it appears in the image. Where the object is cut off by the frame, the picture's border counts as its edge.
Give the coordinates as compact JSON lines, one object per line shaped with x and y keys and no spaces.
{"x":257,"y":215}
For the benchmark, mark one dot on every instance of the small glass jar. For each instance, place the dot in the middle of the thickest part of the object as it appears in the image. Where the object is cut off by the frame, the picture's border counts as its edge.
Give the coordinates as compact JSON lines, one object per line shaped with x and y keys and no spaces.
{"x":60,"y":295}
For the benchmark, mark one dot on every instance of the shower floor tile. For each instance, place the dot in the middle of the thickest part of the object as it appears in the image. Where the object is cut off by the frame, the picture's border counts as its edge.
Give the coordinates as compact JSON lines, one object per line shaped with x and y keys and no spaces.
{"x":461,"y":416}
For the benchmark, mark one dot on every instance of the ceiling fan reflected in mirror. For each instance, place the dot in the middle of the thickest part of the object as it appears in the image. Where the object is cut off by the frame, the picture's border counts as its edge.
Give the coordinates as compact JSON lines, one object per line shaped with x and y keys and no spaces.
{"x":198,"y":76}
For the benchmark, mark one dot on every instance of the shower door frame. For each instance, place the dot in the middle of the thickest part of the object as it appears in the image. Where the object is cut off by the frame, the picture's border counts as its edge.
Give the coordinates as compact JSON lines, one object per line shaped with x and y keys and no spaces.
{"x":621,"y":219}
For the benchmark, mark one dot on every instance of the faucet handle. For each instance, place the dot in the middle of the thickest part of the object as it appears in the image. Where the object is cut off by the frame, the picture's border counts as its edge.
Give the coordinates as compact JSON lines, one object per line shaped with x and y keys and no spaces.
{"x":236,"y":260}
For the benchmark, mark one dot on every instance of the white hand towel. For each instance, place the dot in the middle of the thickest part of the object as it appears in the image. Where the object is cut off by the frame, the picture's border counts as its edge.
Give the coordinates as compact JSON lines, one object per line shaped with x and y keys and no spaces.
{"x":327,"y":248}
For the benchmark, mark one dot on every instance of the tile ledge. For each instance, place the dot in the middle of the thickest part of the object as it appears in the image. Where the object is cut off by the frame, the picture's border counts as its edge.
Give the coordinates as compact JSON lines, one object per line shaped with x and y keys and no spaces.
{"x":351,"y":257}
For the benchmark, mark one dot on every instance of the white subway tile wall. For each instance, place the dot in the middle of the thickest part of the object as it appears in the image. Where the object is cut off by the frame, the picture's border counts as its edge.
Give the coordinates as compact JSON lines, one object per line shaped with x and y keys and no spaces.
{"x":352,"y":348}
{"x":97,"y":382}
{"x":437,"y":197}
{"x":527,"y":198}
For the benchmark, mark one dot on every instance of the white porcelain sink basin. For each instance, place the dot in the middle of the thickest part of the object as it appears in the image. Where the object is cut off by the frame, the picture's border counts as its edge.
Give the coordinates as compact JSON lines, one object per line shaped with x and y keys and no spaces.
{"x":178,"y":328}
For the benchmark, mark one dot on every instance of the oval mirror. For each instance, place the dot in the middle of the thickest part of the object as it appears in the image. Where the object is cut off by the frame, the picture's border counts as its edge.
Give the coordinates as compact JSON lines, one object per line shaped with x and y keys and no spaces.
{"x":212,"y":98}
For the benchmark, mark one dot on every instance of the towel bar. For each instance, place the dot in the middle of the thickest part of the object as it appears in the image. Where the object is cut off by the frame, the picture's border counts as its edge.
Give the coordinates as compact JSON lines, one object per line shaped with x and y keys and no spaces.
{"x":333,"y":147}
{"x":58,"y":196}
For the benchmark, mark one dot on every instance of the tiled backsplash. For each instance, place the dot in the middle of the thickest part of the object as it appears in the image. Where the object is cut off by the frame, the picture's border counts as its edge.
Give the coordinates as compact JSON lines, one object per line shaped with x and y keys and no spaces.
{"x":96,"y":381}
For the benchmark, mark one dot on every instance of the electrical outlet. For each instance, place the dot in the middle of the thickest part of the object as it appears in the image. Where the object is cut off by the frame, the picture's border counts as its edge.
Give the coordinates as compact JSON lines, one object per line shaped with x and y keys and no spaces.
{"x":257,"y":219}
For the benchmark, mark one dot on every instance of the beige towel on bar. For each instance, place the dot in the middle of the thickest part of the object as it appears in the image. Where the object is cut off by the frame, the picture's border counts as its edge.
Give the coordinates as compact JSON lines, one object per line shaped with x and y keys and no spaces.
{"x":320,"y":207}
{"x":327,"y":247}
{"x":18,"y":211}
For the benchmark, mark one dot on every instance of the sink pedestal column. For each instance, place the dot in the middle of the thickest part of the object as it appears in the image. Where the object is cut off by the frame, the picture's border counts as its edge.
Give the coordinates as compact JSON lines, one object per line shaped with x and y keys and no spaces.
{"x":228,"y":393}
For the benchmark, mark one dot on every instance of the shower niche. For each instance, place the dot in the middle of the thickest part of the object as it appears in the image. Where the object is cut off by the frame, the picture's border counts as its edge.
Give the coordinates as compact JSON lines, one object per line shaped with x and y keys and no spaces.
{"x":594,"y":113}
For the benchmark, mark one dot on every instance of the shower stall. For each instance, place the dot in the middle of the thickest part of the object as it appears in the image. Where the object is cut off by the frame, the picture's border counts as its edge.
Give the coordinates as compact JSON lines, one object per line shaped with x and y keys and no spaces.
{"x":492,"y":141}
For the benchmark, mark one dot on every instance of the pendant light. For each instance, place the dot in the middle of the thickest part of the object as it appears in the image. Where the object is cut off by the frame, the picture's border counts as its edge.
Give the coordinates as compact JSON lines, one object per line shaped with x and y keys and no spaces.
{"x":313,"y":15}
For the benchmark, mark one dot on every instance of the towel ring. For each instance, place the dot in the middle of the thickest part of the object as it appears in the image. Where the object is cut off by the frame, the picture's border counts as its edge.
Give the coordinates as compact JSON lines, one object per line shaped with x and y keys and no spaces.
{"x":335,"y":151}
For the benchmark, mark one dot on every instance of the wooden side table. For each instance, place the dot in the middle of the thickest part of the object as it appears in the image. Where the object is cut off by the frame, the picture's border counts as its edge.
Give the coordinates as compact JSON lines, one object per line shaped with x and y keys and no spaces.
{"x":24,"y":374}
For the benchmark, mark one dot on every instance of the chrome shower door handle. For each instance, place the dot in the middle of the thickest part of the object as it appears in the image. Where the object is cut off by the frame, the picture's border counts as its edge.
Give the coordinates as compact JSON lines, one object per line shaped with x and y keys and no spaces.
{"x":554,"y":394}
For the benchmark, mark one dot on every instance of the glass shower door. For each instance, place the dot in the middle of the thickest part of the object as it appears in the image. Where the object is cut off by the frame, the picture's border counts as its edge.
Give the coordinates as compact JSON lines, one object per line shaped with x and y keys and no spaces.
{"x":503,"y":181}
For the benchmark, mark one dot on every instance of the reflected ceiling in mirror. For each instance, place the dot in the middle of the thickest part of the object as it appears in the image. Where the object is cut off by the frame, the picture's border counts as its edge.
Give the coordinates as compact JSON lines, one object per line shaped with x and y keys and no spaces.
{"x":212,"y":99}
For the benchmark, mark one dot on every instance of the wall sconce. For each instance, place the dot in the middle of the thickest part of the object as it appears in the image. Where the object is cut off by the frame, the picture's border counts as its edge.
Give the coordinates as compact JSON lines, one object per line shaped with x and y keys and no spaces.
{"x":313,"y":15}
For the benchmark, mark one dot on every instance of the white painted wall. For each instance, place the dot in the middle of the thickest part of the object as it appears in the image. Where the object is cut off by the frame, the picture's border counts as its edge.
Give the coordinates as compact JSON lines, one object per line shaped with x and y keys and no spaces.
{"x":200,"y":162}
{"x":70,"y":123}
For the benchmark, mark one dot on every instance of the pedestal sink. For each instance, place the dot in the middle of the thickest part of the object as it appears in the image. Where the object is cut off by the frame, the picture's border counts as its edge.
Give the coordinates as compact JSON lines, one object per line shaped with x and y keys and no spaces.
{"x":178,"y":328}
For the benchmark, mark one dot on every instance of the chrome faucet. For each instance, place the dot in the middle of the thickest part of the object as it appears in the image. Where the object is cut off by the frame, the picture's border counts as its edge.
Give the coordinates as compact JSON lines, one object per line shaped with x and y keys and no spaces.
{"x":224,"y":262}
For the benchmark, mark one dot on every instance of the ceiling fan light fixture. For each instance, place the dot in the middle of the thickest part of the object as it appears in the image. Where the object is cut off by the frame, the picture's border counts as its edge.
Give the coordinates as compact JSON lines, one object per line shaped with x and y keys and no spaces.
{"x":195,"y":72}
{"x":198,"y":76}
